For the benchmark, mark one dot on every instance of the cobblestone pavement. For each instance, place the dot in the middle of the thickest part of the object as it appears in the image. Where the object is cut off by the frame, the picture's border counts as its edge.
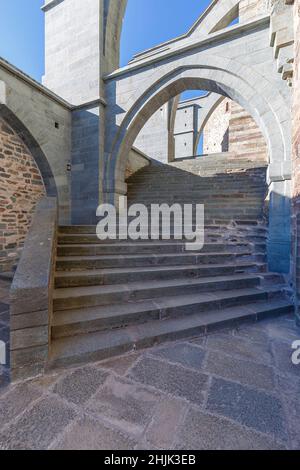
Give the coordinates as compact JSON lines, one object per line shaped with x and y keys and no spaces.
{"x":235,"y":389}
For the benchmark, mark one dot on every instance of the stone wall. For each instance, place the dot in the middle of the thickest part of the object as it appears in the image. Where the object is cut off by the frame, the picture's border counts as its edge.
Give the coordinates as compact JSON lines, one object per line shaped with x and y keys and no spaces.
{"x":21,"y":186}
{"x":215,"y":135}
{"x":153,"y":140}
{"x":296,"y":144}
{"x":245,"y":137}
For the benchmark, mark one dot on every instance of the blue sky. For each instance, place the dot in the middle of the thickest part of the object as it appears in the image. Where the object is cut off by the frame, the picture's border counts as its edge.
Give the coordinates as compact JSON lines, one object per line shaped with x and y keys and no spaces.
{"x":147,"y":23}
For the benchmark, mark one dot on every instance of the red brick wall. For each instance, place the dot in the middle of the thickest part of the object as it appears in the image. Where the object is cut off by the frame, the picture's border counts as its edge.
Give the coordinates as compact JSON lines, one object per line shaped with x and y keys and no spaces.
{"x":245,"y":137}
{"x":21,"y":186}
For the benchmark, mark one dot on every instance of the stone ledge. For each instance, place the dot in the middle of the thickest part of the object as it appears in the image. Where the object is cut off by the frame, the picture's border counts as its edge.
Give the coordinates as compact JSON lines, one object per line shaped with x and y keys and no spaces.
{"x":50,"y":4}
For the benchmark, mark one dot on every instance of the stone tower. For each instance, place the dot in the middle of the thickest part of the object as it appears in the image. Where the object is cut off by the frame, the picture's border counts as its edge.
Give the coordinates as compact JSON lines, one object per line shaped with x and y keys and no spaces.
{"x":82,"y":41}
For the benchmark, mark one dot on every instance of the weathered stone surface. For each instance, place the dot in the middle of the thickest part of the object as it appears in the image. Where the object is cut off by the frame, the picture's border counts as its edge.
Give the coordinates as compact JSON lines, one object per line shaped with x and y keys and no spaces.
{"x":166,"y":419}
{"x":29,"y":290}
{"x":253,"y":333}
{"x":80,"y":385}
{"x":183,"y":353}
{"x":248,"y":373}
{"x":29,"y":320}
{"x":120,"y":365}
{"x":29,"y":356}
{"x":201,"y":431}
{"x":29,"y":337}
{"x":172,"y":379}
{"x":124,"y":404}
{"x":38,"y":426}
{"x":282,"y":352}
{"x":240,"y":347}
{"x":90,"y":434}
{"x":247,"y":406}
{"x":16,"y":401}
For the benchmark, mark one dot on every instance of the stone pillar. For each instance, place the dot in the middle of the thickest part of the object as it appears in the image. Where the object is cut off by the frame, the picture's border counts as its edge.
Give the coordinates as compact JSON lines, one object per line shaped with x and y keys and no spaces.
{"x":186,"y":129}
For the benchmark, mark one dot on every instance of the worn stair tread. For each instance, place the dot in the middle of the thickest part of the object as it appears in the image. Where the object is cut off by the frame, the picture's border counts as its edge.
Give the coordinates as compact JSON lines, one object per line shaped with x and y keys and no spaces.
{"x":81,"y":315}
{"x":67,"y":292}
{"x":183,"y":267}
{"x":154,"y":255}
{"x":141,"y":244}
{"x":103,"y":344}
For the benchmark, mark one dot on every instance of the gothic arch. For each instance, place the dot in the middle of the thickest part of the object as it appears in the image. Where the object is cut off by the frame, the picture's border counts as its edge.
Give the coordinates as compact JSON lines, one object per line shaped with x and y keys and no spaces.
{"x":214,"y":75}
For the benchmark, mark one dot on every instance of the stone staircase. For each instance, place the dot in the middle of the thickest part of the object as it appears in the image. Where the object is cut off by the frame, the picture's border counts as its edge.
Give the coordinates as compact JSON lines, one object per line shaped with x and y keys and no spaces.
{"x":112,"y":297}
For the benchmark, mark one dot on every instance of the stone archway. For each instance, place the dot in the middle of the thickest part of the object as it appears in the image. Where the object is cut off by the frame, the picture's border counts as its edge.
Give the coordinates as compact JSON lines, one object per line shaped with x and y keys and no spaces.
{"x":218,"y":79}
{"x":265,"y":99}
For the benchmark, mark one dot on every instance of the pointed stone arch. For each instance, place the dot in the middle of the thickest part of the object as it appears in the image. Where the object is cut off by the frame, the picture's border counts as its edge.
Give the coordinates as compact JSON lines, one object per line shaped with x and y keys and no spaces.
{"x":216,"y":76}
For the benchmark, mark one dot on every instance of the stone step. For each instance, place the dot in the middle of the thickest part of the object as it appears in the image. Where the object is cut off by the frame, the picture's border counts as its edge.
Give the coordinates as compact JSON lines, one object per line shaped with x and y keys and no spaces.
{"x":95,"y":318}
{"x":151,"y":247}
{"x":123,"y":275}
{"x":251,"y":225}
{"x":204,"y":196}
{"x":81,"y":297}
{"x":119,"y":261}
{"x":105,"y":344}
{"x":257,"y":243}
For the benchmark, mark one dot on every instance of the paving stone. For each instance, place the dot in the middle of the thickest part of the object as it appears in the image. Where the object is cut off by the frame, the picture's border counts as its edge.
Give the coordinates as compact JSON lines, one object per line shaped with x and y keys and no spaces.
{"x":81,"y":384}
{"x":282,"y":352}
{"x":183,"y":353}
{"x":285,"y":330}
{"x":120,"y":365}
{"x":125,"y":404}
{"x":240,"y":347}
{"x":90,"y":434}
{"x":16,"y":401}
{"x":201,"y":341}
{"x":292,"y":409}
{"x":201,"y":431}
{"x":252,"y":333}
{"x":168,"y":415}
{"x":288,"y":385}
{"x":47,"y":381}
{"x":249,"y":407}
{"x":171,"y":378}
{"x":248,"y":373}
{"x":38,"y":426}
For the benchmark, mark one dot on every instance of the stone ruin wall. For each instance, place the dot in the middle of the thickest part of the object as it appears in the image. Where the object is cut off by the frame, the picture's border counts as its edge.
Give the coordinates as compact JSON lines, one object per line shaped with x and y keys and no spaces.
{"x":21,"y":186}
